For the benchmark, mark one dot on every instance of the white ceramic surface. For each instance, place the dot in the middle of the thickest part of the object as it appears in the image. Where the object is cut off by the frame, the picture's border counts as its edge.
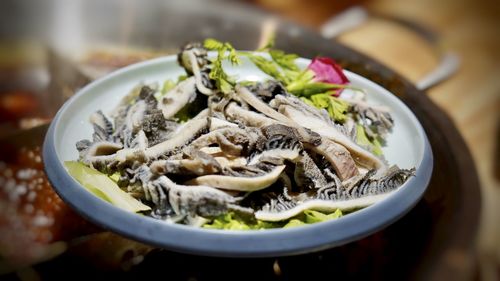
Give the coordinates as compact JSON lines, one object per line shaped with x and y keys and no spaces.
{"x":407,"y":147}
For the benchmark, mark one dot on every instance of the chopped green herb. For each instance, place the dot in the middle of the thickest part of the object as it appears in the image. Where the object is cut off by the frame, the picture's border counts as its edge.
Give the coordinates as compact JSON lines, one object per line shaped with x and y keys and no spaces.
{"x":336,"y":107}
{"x":362,"y":139}
{"x":269,"y":67}
{"x":223,"y":82}
{"x":286,"y":61}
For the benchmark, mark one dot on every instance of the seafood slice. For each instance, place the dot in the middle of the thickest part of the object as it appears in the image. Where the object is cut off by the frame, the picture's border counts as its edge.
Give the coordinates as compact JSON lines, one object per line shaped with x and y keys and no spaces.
{"x":177,"y":98}
{"x":230,"y":162}
{"x":358,"y":192}
{"x":199,"y":164}
{"x":267,"y":90}
{"x":98,"y":155}
{"x":88,"y":149}
{"x":262,"y":107}
{"x":279,"y":129}
{"x":224,"y":160}
{"x":250,"y":118}
{"x":360,"y":155}
{"x":278,"y":147}
{"x":307,"y":175}
{"x":236,"y":113}
{"x":230,"y":140}
{"x":240,"y":183}
{"x":188,"y":132}
{"x":290,"y":209}
{"x":193,"y":57}
{"x":103,"y":128}
{"x":135,"y":115}
{"x":191,"y":200}
{"x":216,"y":123}
{"x":376,"y":120}
{"x":338,"y":156}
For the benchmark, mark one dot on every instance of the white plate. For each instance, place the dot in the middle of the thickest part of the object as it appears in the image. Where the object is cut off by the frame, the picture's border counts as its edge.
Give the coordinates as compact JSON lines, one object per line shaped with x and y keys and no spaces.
{"x":407,"y":146}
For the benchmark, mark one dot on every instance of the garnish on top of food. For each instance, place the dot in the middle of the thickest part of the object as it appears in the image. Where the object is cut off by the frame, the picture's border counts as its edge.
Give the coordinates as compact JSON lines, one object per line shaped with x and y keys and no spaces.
{"x":210,"y":149}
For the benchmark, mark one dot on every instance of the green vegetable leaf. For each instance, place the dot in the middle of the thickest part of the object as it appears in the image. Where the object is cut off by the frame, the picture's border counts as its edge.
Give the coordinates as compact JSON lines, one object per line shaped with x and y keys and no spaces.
{"x":269,"y":67}
{"x":225,"y":50}
{"x":227,"y":222}
{"x":294,"y":223}
{"x":336,"y":108}
{"x":362,"y":139}
{"x":212,"y":44}
{"x":168,"y":85}
{"x":181,"y":78}
{"x":281,"y":66}
{"x":233,"y":221}
{"x":103,"y":187}
{"x":286,"y":61}
{"x":299,"y":81}
{"x":115,"y":177}
{"x":315,"y":216}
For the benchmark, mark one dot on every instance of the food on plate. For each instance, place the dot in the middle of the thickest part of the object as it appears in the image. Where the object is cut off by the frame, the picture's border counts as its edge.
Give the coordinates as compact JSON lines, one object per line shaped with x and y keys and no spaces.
{"x":215,"y":150}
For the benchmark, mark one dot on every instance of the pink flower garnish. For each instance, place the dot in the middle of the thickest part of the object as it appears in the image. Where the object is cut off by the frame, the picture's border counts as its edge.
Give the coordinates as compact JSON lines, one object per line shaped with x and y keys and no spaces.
{"x":326,"y":70}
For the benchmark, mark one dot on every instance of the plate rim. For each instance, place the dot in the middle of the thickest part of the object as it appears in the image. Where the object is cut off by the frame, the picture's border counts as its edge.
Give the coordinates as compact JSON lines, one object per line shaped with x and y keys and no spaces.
{"x":266,"y":243}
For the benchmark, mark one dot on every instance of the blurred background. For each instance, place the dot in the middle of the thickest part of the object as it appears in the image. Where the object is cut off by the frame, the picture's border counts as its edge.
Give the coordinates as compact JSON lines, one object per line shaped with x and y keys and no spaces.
{"x":49,"y":49}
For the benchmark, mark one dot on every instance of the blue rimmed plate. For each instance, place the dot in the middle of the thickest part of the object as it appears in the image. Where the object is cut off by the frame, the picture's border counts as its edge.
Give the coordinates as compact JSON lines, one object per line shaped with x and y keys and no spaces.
{"x":407,"y":146}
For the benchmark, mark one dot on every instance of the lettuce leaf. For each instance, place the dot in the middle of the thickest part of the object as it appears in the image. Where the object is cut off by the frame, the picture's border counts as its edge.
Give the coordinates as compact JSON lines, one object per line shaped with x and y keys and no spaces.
{"x":103,"y":187}
{"x":362,"y":139}
{"x":336,"y":108}
{"x":294,"y":223}
{"x":225,"y":51}
{"x":168,"y":85}
{"x":232,"y":221}
{"x":315,"y":216}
